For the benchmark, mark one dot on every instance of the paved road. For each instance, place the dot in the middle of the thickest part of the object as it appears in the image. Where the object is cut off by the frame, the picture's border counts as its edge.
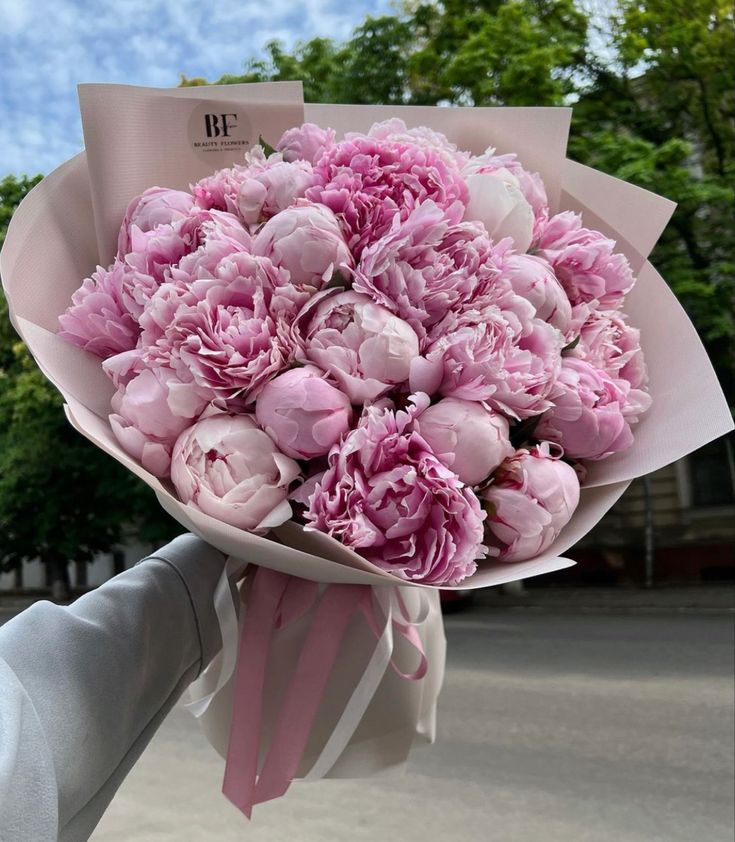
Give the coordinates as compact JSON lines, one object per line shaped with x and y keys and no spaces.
{"x":552,"y":727}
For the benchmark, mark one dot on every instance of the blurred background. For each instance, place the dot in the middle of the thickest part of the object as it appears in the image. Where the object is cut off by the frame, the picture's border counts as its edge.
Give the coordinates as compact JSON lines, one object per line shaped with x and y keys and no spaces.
{"x":626,"y":658}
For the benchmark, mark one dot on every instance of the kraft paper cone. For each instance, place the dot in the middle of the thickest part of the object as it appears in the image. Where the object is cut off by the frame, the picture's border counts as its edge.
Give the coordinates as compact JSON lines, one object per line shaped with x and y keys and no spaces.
{"x":52,"y":244}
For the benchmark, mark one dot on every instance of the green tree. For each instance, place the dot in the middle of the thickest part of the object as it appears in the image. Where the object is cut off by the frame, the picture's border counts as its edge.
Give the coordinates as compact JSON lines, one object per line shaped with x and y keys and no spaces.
{"x":61,"y":498}
{"x":655,"y":106}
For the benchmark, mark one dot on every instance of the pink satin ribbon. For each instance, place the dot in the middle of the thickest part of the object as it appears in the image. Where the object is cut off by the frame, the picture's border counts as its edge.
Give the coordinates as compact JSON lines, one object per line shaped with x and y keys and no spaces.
{"x":277,"y":599}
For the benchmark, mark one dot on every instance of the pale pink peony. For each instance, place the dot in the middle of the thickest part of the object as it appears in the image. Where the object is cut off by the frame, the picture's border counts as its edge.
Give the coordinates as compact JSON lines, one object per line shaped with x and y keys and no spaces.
{"x":273,"y":188}
{"x":306,"y":241}
{"x":509,"y":168}
{"x":219,"y":190}
{"x":426,"y":265}
{"x":395,"y":130}
{"x":532,"y":278}
{"x":387,"y":496}
{"x":151,"y":408}
{"x":98,"y":319}
{"x":154,"y":207}
{"x":228,"y":468}
{"x":367,"y":182}
{"x":363,"y":346}
{"x":531,"y":499}
{"x":466,"y":436}
{"x":590,"y":418}
{"x":585,"y":262}
{"x":496,"y":201}
{"x":302,"y":413}
{"x":305,"y":143}
{"x":230,"y":334}
{"x":495,"y":351}
{"x":608,"y":342}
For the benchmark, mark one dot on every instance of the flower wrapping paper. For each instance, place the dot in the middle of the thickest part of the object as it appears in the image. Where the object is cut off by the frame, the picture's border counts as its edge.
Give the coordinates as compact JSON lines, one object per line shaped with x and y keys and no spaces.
{"x":135,"y":138}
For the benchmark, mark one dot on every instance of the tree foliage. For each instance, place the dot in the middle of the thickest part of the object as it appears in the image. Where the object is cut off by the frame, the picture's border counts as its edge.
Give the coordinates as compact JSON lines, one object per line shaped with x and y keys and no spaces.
{"x":61,"y":498}
{"x":654,"y":104}
{"x":653,"y":98}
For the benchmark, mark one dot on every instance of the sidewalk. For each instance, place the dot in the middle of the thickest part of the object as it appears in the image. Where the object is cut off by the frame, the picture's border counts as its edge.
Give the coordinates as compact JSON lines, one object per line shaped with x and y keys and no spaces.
{"x":664,"y":599}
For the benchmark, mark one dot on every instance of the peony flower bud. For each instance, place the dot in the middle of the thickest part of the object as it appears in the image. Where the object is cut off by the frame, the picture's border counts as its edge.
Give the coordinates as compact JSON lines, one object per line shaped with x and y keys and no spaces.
{"x":466,"y":437}
{"x":531,"y":500}
{"x":533,"y":278}
{"x":496,"y":200}
{"x":307,"y":242}
{"x":228,"y":468}
{"x":156,"y":206}
{"x":303,"y":413}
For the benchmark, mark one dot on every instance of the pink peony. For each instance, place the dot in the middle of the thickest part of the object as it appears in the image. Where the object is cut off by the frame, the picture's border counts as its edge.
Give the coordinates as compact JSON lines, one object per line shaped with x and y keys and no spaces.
{"x":151,"y":408}
{"x":154,"y":207}
{"x":466,"y":437}
{"x":98,"y":319}
{"x":305,"y":143}
{"x":508,"y":168}
{"x":367,"y":181}
{"x":307,"y":242}
{"x":590,"y":418}
{"x":584,"y":261}
{"x":609,"y":343}
{"x":386,"y":495}
{"x":228,"y":468}
{"x":302,"y":413}
{"x":230,"y":334}
{"x":363,"y":346}
{"x":531,"y":499}
{"x":219,"y":190}
{"x":494,"y":351}
{"x":273,"y":188}
{"x":496,"y":200}
{"x":395,"y":130}
{"x":532,"y":278}
{"x":426,"y":265}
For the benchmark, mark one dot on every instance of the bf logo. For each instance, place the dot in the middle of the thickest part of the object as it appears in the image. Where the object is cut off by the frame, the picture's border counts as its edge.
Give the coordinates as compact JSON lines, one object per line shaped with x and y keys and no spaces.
{"x":219,"y":125}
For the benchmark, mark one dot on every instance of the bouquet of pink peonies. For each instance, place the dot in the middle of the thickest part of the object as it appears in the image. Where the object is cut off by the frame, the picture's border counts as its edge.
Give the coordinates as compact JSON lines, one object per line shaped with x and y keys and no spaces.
{"x":401,"y":353}
{"x":386,"y":338}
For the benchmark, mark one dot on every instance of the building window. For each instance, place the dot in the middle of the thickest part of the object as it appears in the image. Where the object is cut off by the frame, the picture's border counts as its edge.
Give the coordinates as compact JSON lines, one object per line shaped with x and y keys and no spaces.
{"x":711,"y":474}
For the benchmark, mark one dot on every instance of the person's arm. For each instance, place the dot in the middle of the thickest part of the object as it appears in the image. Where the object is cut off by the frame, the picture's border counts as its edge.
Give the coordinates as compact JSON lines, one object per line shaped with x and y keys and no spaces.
{"x":83,"y":688}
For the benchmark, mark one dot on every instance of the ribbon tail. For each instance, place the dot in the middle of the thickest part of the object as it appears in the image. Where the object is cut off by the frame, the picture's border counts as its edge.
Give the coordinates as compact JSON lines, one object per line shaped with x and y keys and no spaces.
{"x":303,"y":696}
{"x":247,"y":709}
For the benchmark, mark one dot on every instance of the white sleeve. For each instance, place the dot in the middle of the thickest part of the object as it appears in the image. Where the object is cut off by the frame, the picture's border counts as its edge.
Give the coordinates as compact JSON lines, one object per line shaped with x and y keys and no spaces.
{"x":83,"y":688}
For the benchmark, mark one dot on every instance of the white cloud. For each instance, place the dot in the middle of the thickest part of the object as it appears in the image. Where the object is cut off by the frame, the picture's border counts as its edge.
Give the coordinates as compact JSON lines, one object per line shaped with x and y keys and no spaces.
{"x":50,"y":46}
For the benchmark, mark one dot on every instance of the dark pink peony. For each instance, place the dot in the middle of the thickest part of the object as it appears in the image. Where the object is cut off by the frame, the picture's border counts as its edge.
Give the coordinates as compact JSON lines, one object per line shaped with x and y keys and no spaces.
{"x":386,"y":495}
{"x":426,"y":265}
{"x":367,"y":181}
{"x":585,"y":262}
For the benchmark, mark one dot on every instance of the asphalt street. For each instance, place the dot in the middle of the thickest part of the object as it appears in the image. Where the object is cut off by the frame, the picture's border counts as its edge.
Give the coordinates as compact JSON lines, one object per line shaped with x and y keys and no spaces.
{"x":582,"y":728}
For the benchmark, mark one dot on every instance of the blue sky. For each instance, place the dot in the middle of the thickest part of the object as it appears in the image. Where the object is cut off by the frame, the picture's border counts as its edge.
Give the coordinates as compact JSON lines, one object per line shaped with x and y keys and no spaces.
{"x":50,"y":46}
